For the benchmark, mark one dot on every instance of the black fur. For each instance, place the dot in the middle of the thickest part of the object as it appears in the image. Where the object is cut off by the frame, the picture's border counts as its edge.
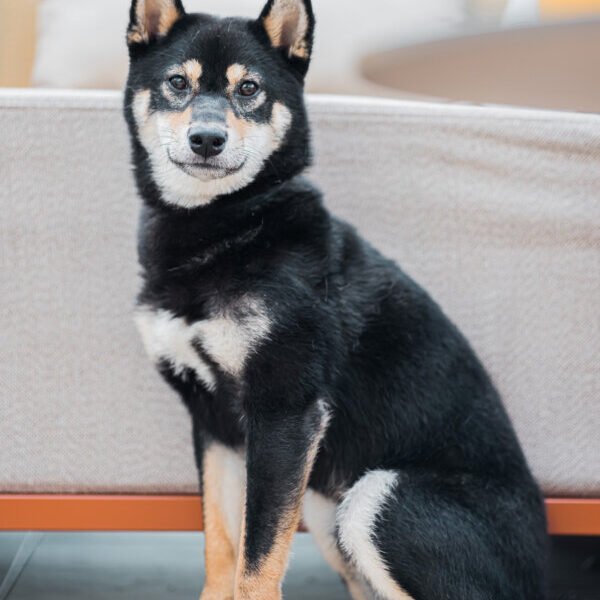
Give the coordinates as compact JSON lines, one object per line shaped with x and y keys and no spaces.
{"x":405,"y":390}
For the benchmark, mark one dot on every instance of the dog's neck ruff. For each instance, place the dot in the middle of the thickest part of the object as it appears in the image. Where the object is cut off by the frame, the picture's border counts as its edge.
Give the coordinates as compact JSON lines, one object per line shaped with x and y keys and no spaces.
{"x":178,"y":240}
{"x":265,"y":190}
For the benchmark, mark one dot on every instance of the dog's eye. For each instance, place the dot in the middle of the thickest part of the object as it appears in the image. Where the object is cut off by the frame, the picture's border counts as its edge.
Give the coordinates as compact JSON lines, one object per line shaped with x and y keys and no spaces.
{"x":248,"y":88}
{"x":178,"y":83}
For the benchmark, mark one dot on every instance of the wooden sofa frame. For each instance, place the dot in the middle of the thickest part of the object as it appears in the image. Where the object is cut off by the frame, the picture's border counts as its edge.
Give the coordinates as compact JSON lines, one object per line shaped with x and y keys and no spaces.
{"x":42,"y":512}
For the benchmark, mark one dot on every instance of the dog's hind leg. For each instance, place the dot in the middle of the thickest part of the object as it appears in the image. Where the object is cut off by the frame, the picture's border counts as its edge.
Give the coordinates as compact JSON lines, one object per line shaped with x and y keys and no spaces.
{"x":430,"y":536}
{"x":319,"y":516}
{"x":356,"y":517}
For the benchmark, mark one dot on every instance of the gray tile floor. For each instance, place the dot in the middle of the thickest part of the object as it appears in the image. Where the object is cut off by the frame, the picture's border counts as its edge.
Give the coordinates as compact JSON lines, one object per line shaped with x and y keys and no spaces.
{"x":142,"y":566}
{"x":157,"y":566}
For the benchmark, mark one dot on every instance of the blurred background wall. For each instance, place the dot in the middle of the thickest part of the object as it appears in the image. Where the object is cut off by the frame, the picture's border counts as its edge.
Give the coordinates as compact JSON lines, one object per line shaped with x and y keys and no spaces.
{"x":543,"y":53}
{"x":17,"y":41}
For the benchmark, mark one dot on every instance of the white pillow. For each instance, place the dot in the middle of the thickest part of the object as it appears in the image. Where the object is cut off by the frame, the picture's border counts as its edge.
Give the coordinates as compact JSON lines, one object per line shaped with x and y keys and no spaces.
{"x":81,"y":43}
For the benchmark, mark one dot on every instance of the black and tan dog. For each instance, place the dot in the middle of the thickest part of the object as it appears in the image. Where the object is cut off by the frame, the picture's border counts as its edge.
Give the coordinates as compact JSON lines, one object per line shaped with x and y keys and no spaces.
{"x":321,"y":380}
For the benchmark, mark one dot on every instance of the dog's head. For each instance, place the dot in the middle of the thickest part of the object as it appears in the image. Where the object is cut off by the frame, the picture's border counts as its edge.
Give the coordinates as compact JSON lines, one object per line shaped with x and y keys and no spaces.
{"x":217,"y":104}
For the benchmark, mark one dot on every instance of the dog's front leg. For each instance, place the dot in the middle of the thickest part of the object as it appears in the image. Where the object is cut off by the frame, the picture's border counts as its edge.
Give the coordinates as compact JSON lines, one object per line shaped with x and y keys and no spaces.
{"x":223,"y":475}
{"x":281,"y":450}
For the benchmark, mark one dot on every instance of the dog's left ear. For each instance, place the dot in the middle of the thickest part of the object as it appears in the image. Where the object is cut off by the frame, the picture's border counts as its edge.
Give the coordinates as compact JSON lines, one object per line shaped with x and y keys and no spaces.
{"x":150,"y":20}
{"x":290,"y":25}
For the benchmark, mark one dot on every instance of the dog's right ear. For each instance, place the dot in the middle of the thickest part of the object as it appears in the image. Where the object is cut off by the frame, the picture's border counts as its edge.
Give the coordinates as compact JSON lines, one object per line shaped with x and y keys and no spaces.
{"x":152,"y":19}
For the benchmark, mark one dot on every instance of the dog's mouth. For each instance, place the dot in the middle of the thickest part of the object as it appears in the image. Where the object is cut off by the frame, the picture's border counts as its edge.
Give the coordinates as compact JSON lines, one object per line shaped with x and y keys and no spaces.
{"x":204,"y":168}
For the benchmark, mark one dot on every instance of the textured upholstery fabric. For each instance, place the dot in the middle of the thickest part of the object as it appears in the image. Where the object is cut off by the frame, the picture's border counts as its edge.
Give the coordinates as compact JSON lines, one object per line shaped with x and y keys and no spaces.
{"x":496,"y":211}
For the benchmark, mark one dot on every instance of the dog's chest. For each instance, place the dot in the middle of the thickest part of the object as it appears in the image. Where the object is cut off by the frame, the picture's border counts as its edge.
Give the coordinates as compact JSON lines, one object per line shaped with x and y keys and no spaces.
{"x":224,"y":341}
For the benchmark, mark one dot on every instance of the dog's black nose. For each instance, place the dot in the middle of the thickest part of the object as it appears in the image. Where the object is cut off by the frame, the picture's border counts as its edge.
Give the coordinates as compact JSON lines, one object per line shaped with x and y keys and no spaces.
{"x":207,"y":142}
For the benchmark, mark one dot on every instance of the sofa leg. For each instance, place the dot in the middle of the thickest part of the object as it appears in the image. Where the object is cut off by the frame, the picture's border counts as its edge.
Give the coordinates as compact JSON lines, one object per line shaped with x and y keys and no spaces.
{"x":28,"y":545}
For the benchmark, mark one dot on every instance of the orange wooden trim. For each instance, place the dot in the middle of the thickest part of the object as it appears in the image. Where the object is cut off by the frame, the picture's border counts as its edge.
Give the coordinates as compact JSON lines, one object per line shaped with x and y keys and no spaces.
{"x":573,"y":517}
{"x":100,"y":513}
{"x":37,"y":512}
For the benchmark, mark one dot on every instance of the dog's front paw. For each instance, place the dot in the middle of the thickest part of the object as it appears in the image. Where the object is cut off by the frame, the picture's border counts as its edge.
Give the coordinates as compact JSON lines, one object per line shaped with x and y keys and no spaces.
{"x":211,"y":594}
{"x":255,"y":592}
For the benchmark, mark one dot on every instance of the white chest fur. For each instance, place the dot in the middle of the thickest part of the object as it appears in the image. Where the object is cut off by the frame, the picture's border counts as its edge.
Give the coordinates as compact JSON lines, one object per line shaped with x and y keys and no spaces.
{"x":227,"y":337}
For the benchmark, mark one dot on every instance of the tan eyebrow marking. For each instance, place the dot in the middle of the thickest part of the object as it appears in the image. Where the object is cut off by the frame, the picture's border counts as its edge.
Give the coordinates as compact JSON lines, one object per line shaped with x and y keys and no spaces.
{"x":235,"y":73}
{"x":193,"y":70}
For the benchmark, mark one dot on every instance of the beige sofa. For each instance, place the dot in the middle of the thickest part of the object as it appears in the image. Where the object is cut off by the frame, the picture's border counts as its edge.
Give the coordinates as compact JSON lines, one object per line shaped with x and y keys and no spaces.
{"x":496,"y":211}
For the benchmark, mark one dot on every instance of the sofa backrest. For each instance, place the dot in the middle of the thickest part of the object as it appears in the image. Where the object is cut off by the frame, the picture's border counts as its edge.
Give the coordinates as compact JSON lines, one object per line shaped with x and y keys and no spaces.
{"x":496,"y":211}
